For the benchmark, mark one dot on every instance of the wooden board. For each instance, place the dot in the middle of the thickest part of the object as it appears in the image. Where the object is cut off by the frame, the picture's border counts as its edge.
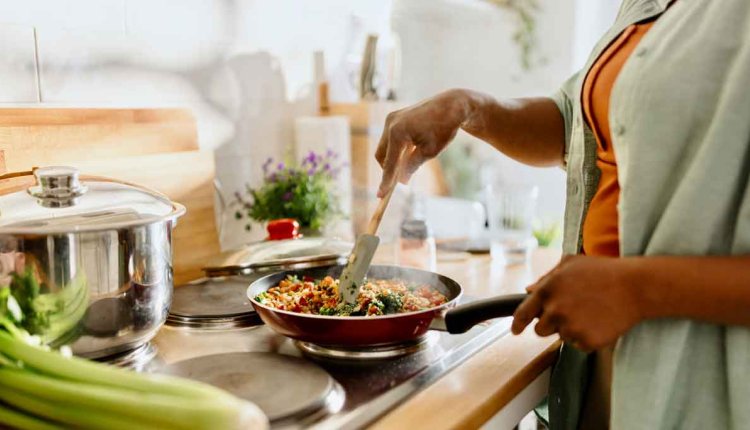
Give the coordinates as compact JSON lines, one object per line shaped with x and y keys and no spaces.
{"x":39,"y":136}
{"x":3,"y":169}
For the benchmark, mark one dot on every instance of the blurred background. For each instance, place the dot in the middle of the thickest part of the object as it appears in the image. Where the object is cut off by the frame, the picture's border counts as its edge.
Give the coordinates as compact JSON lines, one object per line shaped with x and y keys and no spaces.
{"x":280,"y":78}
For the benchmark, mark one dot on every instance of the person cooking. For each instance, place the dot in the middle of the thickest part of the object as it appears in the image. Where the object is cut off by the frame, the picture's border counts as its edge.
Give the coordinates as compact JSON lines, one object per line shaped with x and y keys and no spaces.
{"x":652,"y":295}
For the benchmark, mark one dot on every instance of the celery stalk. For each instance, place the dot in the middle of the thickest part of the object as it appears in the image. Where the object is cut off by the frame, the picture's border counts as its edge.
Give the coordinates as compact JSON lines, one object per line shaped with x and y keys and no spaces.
{"x":22,"y":421}
{"x":84,"y":419}
{"x":77,"y":369}
{"x":158,"y":409}
{"x":14,"y":331}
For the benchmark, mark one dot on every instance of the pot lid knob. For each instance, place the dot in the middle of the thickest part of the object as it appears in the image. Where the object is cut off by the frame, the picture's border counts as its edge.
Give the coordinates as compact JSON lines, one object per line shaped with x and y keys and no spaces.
{"x":57,"y":186}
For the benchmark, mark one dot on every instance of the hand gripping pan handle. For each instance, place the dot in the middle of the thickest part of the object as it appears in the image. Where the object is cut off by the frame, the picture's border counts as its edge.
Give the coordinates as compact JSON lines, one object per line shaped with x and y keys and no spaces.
{"x":461,"y":318}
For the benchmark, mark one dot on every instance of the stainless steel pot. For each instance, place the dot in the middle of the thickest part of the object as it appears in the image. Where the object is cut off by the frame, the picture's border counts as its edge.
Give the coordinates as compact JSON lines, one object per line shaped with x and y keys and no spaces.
{"x":90,"y":258}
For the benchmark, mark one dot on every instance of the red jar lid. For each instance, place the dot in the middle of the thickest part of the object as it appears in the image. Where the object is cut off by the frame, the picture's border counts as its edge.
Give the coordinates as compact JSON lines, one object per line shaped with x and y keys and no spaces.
{"x":281,"y":229}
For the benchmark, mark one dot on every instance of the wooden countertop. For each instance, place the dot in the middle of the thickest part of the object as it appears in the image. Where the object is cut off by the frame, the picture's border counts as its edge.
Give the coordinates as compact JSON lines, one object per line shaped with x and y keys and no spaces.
{"x":483,"y":385}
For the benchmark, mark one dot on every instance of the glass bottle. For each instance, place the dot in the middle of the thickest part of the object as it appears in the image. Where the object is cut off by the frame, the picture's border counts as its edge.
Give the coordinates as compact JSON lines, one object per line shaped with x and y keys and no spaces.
{"x":416,"y":246}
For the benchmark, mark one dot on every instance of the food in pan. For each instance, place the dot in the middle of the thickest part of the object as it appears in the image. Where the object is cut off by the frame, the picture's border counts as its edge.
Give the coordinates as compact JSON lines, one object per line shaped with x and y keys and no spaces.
{"x":376,"y":297}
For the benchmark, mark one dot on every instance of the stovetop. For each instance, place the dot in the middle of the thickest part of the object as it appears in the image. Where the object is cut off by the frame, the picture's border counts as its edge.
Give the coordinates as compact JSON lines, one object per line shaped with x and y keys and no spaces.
{"x":362,"y":390}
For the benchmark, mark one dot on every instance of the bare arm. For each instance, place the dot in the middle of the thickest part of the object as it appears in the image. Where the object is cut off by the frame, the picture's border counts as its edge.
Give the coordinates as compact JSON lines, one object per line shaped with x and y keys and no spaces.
{"x":530,"y":130}
{"x":592,"y":301}
{"x":711,"y":289}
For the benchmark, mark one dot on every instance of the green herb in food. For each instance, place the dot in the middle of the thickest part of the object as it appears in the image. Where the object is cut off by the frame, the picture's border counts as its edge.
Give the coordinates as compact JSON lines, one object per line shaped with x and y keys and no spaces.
{"x":391,"y":301}
{"x":261,"y":297}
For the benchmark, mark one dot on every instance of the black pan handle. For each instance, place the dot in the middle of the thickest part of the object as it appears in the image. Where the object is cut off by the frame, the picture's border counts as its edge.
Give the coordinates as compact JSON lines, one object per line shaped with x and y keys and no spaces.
{"x":461,"y":318}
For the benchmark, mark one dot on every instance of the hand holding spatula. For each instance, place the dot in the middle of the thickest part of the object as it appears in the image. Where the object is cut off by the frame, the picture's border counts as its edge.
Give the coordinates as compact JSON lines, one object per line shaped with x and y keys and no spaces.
{"x":367,"y":243}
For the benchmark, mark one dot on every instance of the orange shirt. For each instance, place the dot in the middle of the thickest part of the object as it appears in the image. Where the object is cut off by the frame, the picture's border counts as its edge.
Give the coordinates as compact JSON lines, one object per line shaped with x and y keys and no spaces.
{"x":600,"y":229}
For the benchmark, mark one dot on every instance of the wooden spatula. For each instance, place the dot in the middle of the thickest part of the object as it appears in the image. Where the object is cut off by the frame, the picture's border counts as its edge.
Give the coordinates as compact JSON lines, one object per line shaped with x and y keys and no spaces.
{"x":367,"y":243}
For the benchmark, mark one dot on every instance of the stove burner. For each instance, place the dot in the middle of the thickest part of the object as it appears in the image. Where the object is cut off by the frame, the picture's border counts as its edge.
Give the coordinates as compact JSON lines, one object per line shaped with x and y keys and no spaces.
{"x":377,"y":352}
{"x":217,"y":323}
{"x":286,"y":389}
{"x":213,"y":303}
{"x":135,"y":359}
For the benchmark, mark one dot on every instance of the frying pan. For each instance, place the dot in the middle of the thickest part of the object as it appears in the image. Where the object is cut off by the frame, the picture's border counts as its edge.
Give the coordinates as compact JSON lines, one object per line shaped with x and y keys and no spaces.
{"x":386,"y":329}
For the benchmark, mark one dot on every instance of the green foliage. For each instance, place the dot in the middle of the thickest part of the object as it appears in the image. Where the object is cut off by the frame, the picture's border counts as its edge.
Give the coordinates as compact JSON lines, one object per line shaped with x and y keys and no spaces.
{"x":303,"y":192}
{"x":525,"y":34}
{"x":546,"y":234}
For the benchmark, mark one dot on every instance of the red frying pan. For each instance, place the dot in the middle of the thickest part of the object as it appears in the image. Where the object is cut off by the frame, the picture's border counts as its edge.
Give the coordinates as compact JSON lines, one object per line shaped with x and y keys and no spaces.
{"x":363,"y":331}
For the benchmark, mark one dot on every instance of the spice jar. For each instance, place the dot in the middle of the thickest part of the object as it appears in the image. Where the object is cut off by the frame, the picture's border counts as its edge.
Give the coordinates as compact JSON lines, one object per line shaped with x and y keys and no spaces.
{"x":416,"y":247}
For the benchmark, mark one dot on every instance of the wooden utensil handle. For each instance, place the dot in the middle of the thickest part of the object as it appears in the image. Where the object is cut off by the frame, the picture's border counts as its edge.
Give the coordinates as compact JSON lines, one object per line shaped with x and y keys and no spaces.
{"x":377,"y":216}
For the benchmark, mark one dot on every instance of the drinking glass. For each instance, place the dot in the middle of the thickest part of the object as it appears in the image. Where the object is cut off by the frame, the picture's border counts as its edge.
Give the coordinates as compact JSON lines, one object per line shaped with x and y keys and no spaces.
{"x":511,"y":210}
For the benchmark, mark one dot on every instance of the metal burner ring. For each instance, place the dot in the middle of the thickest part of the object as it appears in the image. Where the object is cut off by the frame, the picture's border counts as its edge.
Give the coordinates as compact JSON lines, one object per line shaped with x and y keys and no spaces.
{"x":376,"y":352}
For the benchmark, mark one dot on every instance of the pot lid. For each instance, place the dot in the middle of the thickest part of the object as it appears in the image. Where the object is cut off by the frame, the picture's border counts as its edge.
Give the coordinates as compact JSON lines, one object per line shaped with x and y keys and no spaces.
{"x":279,"y":255}
{"x":213,"y":297}
{"x":59,"y":200}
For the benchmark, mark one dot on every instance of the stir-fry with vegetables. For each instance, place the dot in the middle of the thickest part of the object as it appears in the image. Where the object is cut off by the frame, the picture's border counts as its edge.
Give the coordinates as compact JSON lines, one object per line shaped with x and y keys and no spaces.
{"x":376,"y":297}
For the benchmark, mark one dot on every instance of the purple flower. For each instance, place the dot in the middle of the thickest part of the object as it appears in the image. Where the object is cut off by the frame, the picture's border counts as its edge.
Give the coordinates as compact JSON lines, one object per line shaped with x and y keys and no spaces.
{"x":287,"y":196}
{"x":280,"y":166}
{"x":330,"y":153}
{"x":311,"y":172}
{"x":310,"y":159}
{"x":327,"y":167}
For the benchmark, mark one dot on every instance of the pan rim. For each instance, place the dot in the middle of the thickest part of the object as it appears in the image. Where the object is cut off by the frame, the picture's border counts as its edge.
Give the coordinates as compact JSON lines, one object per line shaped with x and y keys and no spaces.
{"x":449,"y":304}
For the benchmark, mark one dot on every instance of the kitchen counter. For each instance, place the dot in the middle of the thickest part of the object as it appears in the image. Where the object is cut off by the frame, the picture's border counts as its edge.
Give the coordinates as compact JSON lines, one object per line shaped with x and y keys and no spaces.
{"x":446,"y":381}
{"x":504,"y":381}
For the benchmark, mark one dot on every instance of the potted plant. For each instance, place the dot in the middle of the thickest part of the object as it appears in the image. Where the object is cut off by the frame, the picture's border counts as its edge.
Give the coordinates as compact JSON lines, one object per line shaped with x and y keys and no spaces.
{"x":302,"y":191}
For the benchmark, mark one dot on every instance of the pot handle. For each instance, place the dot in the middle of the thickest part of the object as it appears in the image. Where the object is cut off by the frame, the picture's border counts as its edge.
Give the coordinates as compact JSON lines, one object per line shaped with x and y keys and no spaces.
{"x":461,"y":318}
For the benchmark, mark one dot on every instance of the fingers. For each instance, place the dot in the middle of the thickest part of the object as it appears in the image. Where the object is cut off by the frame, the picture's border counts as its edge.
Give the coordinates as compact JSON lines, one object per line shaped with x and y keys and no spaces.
{"x":413,"y":162}
{"x":383,"y":144}
{"x":526,"y":312}
{"x":547,"y":325}
{"x":544,"y":279}
{"x":394,"y":147}
{"x":381,"y":152}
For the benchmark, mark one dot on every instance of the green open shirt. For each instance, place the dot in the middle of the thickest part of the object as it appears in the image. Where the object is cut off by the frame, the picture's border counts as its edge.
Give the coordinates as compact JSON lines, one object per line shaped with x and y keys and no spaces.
{"x":680,"y":120}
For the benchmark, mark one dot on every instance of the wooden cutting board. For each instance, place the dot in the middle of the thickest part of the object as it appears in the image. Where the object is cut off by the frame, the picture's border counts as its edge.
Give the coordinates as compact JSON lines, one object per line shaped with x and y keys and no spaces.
{"x":155,"y":148}
{"x":40,"y":136}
